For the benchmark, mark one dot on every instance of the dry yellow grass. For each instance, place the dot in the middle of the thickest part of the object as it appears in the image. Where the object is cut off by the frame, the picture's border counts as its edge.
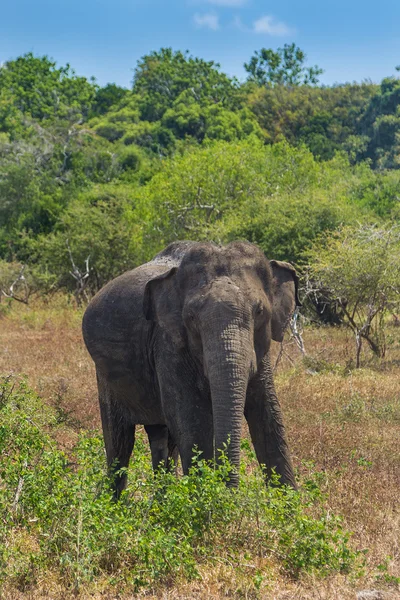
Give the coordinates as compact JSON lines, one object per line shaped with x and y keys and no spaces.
{"x":341,"y":422}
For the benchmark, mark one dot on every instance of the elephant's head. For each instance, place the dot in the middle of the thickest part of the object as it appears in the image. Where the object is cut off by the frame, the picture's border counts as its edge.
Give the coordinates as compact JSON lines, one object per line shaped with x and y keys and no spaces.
{"x":224,"y":304}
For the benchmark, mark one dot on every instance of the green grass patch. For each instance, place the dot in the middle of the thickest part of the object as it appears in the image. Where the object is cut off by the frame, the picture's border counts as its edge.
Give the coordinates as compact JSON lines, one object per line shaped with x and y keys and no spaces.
{"x":57,"y":514}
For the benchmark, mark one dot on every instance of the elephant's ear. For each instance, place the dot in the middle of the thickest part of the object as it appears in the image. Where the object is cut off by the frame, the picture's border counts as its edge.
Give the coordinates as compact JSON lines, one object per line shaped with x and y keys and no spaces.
{"x":161,"y":304}
{"x":285,"y":297}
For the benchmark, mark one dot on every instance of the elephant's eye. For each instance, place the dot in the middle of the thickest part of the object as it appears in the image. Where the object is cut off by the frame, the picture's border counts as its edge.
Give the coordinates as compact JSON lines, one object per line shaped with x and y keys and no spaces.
{"x":259,"y":309}
{"x":190,"y":316}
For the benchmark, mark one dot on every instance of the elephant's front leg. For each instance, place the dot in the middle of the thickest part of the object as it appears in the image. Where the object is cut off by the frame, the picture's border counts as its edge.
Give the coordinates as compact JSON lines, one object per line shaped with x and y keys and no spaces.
{"x":264,"y":417}
{"x":187,"y":408}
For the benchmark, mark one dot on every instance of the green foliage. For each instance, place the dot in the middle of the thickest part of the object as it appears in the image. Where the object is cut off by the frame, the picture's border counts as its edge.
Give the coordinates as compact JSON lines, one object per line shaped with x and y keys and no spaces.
{"x":381,"y":123}
{"x":325,"y":118}
{"x":283,"y":67}
{"x":28,"y":199}
{"x":188,"y":118}
{"x":39,"y":176}
{"x":40,"y":90}
{"x":161,"y":77}
{"x":359,"y":266}
{"x":96,"y":225}
{"x":12,"y":120}
{"x":199,"y":103}
{"x":58,"y":516}
{"x":360,"y":263}
{"x":276,"y":196}
{"x":284,"y":226}
{"x":195,"y":190}
{"x":188,"y":141}
{"x":377,"y":191}
{"x":17,"y":282}
{"x":123,"y":123}
{"x":107,"y":97}
{"x":227,"y":125}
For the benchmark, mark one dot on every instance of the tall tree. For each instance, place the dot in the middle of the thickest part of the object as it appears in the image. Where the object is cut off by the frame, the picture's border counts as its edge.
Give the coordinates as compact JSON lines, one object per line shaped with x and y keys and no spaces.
{"x":381,"y":123}
{"x":160,"y":77}
{"x":42,"y":90}
{"x":286,"y":66}
{"x":108,"y":96}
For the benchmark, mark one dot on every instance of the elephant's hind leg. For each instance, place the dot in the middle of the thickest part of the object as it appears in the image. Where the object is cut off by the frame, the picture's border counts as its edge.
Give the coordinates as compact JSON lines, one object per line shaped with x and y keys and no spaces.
{"x":173,"y":455}
{"x":158,"y":440}
{"x":118,"y":432}
{"x":164,"y":452}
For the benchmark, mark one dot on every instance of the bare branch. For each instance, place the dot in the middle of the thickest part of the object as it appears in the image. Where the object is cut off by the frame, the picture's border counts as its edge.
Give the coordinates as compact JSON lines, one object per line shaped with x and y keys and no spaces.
{"x":296,"y":331}
{"x":81,"y":277}
{"x":18,"y":490}
{"x":11,"y":290}
{"x":296,"y":335}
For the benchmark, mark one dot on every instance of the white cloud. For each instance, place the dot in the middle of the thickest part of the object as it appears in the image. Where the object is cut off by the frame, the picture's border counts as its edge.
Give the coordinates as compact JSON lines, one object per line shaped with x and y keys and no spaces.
{"x":270,"y":26}
{"x":208,"y":20}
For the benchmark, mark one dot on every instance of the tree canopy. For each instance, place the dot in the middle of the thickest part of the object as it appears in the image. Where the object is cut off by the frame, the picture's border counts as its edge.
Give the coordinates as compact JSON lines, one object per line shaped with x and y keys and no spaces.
{"x":39,"y":89}
{"x":115,"y":173}
{"x":285,"y":66}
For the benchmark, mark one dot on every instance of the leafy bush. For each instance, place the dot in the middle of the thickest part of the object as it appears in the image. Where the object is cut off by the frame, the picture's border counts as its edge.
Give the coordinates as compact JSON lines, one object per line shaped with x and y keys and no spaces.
{"x":377,"y":191}
{"x":63,"y":519}
{"x":359,"y":266}
{"x":325,"y":118}
{"x":160,"y":78}
{"x":95,"y":226}
{"x":277,"y":196}
{"x":284,"y":226}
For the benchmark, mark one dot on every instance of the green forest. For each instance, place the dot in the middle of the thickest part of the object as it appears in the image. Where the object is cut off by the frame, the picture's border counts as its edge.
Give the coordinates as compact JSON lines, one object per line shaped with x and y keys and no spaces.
{"x":101,"y":178}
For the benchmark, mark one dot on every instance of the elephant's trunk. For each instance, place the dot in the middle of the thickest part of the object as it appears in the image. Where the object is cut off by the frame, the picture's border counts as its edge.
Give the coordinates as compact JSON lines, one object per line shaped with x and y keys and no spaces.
{"x":228,"y":356}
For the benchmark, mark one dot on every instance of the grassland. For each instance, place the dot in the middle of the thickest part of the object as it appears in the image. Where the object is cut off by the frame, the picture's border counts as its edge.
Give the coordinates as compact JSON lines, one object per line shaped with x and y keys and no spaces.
{"x":343,"y":425}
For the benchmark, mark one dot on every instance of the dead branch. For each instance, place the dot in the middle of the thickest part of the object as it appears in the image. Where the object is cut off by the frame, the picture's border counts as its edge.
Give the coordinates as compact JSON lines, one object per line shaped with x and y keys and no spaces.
{"x":11,"y":290}
{"x":18,"y":490}
{"x":297,"y":332}
{"x":81,"y":277}
{"x":296,"y":335}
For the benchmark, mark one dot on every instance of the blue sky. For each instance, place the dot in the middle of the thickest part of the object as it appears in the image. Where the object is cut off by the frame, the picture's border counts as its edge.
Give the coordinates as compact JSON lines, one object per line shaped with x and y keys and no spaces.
{"x":351,"y":39}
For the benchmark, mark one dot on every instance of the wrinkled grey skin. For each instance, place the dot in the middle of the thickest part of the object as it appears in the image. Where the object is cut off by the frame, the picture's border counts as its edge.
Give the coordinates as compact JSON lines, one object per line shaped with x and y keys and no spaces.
{"x":181,"y":345}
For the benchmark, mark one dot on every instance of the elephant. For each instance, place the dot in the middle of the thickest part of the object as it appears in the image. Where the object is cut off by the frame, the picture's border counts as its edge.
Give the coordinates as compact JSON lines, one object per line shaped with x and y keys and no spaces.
{"x":181,"y":345}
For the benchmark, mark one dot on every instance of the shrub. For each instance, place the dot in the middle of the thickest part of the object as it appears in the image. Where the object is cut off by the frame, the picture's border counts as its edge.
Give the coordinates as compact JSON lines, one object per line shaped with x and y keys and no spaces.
{"x":195,"y":192}
{"x":96,"y":225}
{"x":359,"y":267}
{"x":283,"y":225}
{"x":63,"y":519}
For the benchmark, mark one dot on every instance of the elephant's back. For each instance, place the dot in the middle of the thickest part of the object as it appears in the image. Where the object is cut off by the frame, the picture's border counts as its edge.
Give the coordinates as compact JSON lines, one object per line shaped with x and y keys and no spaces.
{"x":114,"y":318}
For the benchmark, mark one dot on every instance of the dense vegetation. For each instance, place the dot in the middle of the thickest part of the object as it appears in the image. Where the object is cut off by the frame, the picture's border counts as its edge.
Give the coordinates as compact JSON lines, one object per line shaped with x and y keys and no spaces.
{"x":112,"y":175}
{"x":58,"y":517}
